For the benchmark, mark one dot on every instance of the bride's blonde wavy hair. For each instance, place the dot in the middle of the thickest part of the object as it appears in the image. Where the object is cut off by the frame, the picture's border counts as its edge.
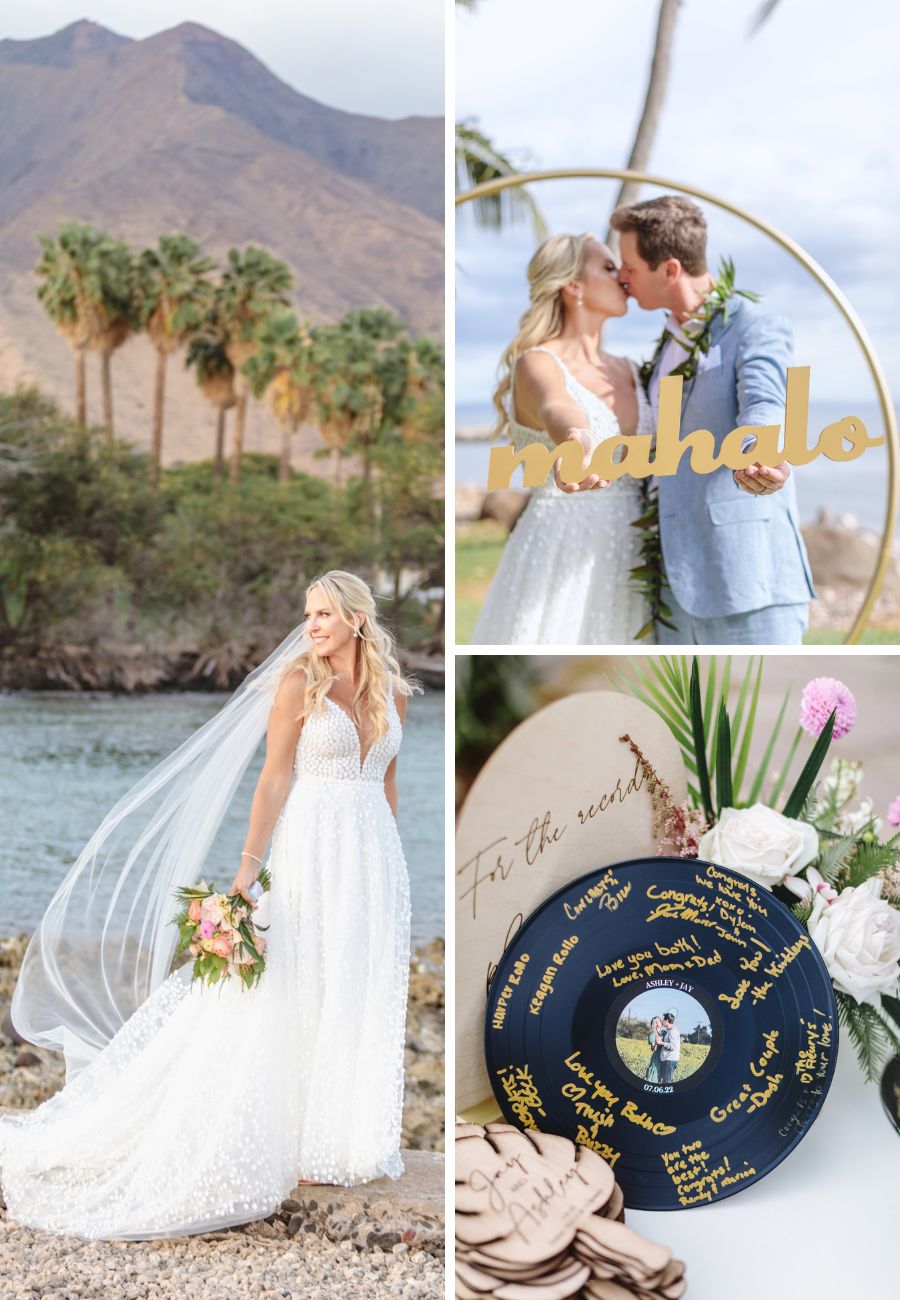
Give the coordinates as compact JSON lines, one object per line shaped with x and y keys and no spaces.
{"x":557,"y":262}
{"x":379,"y":671}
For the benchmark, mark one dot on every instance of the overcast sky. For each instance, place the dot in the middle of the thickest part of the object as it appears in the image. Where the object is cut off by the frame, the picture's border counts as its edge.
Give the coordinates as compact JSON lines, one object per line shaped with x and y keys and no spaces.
{"x":384,"y":58}
{"x":799,"y":124}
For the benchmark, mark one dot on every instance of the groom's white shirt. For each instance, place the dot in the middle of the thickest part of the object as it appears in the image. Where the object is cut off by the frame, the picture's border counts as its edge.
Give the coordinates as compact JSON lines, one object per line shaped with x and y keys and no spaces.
{"x":677,"y":348}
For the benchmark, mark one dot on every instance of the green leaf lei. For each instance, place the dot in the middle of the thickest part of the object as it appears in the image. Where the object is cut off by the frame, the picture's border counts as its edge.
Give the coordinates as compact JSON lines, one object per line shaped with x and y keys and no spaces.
{"x":649,"y":576}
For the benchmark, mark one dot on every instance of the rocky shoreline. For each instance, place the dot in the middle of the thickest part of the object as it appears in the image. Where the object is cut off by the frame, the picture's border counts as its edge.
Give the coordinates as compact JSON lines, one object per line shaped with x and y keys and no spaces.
{"x":323,"y":1244}
{"x":131,"y":668}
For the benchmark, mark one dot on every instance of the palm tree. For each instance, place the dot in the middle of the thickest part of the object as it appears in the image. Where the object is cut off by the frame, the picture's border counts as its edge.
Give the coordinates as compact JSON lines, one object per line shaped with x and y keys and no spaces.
{"x":176,"y":294}
{"x":208,"y":354}
{"x":118,"y":316}
{"x":477,"y":161}
{"x":70,"y":271}
{"x":254,"y":283}
{"x":654,"y":98}
{"x":281,"y":370}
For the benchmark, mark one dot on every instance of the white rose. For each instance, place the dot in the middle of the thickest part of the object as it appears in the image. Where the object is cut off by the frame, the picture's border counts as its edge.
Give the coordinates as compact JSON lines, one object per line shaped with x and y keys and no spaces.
{"x":858,"y":934}
{"x":760,"y":843}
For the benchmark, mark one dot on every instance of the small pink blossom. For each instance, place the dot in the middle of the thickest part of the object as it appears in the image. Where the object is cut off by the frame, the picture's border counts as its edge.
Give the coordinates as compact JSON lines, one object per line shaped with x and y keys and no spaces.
{"x":820,"y":697}
{"x":194,"y":910}
{"x":207,"y":929}
{"x":894,"y":812}
{"x":221,"y":947}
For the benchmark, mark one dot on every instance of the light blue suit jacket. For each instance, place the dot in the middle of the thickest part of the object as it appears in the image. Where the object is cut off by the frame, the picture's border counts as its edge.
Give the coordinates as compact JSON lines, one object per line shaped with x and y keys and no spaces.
{"x":727,"y":552}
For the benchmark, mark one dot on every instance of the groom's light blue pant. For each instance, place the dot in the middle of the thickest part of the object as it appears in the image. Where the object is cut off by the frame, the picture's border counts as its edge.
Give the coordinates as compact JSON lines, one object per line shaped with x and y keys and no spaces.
{"x":773,"y":625}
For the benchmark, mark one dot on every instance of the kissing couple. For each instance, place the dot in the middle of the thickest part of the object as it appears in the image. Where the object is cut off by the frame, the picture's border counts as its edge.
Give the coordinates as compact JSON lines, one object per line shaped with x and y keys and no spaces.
{"x":734,"y":566}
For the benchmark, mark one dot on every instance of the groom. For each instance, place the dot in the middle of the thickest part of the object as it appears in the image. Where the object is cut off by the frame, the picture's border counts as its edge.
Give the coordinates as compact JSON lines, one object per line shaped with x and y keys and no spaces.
{"x":735,"y":561}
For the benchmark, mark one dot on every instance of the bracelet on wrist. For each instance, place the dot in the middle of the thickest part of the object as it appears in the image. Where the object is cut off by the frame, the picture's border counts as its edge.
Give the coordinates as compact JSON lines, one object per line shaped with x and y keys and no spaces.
{"x":245,"y":854}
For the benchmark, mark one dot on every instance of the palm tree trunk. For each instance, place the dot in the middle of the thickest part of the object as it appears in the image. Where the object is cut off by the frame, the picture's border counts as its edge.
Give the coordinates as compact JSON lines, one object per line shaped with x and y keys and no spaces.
{"x":653,"y":101}
{"x":284,"y":460}
{"x":106,"y":381}
{"x":240,"y":422}
{"x":219,"y":464}
{"x":80,"y":389}
{"x":159,"y":397}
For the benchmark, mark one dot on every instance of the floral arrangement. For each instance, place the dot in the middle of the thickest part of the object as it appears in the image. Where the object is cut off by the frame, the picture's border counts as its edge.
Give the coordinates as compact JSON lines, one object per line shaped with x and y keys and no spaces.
{"x":820,"y":847}
{"x":218,"y":931}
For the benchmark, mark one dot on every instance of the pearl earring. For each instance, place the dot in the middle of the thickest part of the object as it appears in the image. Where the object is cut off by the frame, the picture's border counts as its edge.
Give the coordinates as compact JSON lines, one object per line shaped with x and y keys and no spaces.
{"x":579,"y":302}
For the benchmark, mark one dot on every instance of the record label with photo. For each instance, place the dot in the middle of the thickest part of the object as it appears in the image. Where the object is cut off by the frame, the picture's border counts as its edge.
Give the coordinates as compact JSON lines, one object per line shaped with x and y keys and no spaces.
{"x":671,"y":1016}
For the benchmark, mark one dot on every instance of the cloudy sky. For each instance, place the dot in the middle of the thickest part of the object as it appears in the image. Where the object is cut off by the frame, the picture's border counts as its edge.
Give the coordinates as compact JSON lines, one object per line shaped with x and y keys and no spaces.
{"x":385,"y":59}
{"x":797,"y":124}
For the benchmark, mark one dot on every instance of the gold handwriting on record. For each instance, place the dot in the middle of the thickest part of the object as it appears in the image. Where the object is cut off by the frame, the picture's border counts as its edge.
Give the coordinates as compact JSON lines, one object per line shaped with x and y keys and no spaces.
{"x":682,"y":954}
{"x":518,"y":1083}
{"x":595,"y":1104}
{"x":545,"y":988}
{"x":782,"y":960}
{"x":661,"y":453}
{"x":695,"y":1179}
{"x":504,"y":996}
{"x":814,"y":1055}
{"x":758,"y":1090}
{"x":734,"y":887}
{"x":609,"y":1154}
{"x":602,"y":894}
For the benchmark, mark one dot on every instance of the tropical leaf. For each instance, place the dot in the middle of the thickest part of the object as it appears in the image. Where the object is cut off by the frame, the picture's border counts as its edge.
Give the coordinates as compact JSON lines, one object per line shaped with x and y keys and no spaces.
{"x":872,"y":1037}
{"x":811,"y":768}
{"x":724,"y":792}
{"x":700,"y":741}
{"x":763,"y":770}
{"x":834,"y":857}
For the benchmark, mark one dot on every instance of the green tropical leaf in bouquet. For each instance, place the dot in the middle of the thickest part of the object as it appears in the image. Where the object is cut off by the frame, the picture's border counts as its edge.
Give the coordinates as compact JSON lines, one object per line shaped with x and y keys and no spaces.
{"x":811,"y":768}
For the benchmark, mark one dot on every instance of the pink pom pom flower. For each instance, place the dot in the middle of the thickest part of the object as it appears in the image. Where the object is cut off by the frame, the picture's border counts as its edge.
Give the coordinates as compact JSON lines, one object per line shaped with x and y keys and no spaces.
{"x":894,"y":812}
{"x":820,"y":697}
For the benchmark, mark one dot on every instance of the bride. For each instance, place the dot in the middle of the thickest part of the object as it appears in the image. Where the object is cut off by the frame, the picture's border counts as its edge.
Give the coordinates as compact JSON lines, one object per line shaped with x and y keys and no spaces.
{"x":563,"y":577}
{"x":187,"y":1107}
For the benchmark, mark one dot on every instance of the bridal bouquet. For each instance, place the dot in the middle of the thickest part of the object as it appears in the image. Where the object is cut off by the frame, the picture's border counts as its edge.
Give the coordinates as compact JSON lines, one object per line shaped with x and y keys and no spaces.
{"x":820,"y":847}
{"x":218,"y":931}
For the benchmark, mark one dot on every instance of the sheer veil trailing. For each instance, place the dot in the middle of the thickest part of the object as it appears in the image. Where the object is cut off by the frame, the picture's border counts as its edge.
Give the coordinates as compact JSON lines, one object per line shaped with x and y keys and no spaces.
{"x":105,"y":942}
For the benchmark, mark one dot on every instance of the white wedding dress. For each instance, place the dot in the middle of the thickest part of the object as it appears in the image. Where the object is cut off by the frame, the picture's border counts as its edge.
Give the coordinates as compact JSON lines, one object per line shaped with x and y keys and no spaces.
{"x":563,"y":578}
{"x":210,"y":1104}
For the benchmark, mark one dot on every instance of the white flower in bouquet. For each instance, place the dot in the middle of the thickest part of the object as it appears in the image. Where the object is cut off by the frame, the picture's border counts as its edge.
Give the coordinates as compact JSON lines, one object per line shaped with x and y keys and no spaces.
{"x":760,"y":843}
{"x":856,"y":819}
{"x":858,"y":934}
{"x":843,"y":781}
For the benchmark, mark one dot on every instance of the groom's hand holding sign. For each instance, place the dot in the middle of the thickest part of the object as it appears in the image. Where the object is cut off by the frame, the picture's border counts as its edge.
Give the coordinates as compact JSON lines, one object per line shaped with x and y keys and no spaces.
{"x":762,"y":480}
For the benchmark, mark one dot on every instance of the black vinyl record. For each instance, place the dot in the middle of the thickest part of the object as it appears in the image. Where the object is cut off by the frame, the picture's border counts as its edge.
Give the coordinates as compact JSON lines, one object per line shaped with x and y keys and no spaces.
{"x":670,"y":1015}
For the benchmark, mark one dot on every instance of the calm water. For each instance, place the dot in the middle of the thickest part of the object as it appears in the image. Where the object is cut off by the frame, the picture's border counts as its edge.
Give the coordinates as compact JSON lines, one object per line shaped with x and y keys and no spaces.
{"x":65,"y":758}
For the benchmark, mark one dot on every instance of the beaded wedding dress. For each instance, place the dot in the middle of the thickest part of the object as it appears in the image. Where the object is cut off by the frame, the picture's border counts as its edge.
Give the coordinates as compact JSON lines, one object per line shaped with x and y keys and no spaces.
{"x":210,"y":1104}
{"x":563,"y":578}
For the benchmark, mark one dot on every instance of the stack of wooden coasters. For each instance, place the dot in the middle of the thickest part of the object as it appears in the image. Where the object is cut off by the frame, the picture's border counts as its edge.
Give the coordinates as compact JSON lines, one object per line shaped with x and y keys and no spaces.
{"x":539,"y":1218}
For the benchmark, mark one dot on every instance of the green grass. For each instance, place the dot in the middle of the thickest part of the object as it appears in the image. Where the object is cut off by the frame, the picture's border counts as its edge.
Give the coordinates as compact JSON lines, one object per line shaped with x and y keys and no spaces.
{"x":635,"y":1052}
{"x":871,"y":636}
{"x":478,"y":550}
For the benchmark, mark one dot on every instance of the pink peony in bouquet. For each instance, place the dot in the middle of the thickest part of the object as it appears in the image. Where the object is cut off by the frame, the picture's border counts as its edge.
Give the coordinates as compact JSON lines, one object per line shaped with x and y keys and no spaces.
{"x":218,"y":931}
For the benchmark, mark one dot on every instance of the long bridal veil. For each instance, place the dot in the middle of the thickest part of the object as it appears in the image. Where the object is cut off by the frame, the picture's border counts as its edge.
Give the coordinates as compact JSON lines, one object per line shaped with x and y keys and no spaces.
{"x":106,"y":942}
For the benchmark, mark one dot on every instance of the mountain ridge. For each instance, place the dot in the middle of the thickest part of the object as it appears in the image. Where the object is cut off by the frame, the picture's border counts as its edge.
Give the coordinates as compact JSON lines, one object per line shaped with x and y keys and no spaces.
{"x":188,"y":130}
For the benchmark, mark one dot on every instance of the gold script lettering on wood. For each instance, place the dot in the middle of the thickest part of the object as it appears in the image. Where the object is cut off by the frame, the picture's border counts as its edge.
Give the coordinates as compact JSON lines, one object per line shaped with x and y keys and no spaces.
{"x":561,"y":796}
{"x":845,"y":440}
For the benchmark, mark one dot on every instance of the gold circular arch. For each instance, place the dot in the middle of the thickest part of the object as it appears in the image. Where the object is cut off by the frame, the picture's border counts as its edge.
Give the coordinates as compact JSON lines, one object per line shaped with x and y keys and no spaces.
{"x":800,"y":255}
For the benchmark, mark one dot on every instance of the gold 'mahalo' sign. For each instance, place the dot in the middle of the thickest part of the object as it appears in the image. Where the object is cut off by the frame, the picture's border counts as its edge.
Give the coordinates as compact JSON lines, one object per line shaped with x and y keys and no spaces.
{"x":819,"y":275}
